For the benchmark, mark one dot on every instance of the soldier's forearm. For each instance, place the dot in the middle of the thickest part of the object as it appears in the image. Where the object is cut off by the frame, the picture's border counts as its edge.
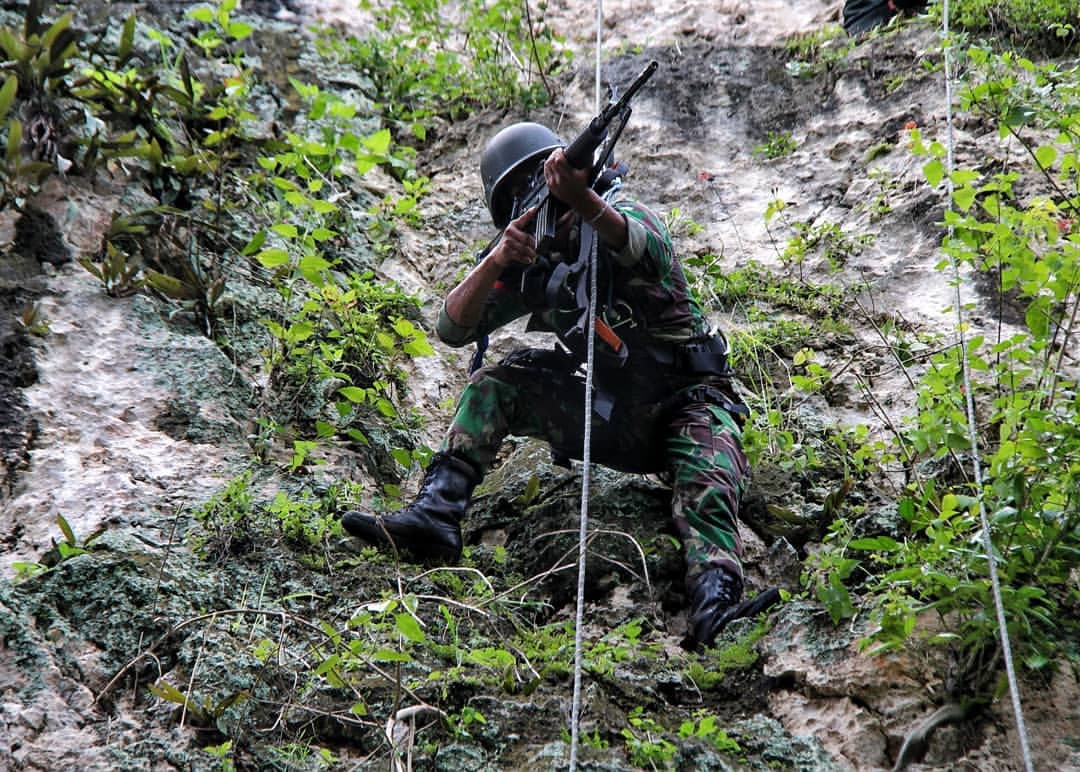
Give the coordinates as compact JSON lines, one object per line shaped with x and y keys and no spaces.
{"x":465,"y":303}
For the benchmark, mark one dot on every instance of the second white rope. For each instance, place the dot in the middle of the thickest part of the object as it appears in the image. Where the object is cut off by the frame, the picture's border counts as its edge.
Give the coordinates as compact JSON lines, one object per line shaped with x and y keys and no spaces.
{"x":969,"y":399}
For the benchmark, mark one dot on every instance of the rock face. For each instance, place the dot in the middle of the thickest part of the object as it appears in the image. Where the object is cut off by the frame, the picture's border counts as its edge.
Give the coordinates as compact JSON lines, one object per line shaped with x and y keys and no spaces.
{"x":150,"y":621}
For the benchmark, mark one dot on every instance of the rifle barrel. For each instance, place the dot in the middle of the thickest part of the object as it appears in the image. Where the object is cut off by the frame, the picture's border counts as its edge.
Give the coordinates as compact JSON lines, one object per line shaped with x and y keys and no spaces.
{"x":617,"y":107}
{"x":580,"y":152}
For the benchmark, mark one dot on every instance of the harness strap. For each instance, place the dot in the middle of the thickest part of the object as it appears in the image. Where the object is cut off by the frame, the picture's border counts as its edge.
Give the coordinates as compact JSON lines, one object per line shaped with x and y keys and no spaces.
{"x":572,"y":278}
{"x":564,"y":273}
{"x":717,"y":397}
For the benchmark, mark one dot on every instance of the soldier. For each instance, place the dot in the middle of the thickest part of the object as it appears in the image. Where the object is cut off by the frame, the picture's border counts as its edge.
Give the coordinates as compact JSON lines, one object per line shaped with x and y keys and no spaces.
{"x":864,"y":15}
{"x":664,"y":401}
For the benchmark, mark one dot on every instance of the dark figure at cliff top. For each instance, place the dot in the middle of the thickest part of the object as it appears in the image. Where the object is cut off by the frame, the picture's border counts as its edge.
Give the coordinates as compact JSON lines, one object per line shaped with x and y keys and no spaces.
{"x":864,"y":15}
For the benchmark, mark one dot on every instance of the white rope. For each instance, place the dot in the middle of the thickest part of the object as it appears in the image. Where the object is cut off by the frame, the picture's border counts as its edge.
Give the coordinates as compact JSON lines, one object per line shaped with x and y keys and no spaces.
{"x":586,"y":453}
{"x":599,"y":29}
{"x":584,"y":526}
{"x":969,"y":398}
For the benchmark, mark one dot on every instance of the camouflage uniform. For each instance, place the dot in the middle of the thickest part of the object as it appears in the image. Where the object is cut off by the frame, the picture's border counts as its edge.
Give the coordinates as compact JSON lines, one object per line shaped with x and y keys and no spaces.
{"x":663,"y":419}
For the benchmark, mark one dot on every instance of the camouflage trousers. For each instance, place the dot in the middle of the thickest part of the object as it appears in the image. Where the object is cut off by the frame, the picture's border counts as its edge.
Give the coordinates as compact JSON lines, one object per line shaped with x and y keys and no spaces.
{"x":691,"y":441}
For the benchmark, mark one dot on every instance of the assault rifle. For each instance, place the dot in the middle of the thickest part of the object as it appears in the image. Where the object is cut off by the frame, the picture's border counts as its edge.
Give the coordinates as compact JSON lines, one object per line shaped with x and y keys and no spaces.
{"x":581,"y":153}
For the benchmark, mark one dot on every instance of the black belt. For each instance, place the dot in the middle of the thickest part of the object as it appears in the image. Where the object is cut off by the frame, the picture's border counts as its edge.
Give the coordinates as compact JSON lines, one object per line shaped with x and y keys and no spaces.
{"x":706,"y":357}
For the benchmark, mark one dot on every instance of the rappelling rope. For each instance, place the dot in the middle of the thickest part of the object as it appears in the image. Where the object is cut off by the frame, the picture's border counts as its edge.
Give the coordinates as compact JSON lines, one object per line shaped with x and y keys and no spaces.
{"x":583,"y":528}
{"x":969,"y":400}
{"x":579,"y":614}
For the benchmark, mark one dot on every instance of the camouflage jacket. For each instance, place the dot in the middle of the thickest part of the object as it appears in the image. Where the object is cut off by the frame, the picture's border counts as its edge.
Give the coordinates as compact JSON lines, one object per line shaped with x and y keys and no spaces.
{"x":642,"y":292}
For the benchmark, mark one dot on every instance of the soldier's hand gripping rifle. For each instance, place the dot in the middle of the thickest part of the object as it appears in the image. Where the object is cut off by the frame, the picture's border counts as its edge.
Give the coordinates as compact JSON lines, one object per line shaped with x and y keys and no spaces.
{"x":580,"y":153}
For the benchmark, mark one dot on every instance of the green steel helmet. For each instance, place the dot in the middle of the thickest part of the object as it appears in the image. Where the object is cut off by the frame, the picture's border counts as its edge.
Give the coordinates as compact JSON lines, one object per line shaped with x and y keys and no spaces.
{"x":516,"y":146}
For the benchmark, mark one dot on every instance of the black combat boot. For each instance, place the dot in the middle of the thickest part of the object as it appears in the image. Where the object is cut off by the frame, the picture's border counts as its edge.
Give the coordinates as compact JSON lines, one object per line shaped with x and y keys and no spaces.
{"x":714,"y":602}
{"x":714,"y":599}
{"x":430,"y":527}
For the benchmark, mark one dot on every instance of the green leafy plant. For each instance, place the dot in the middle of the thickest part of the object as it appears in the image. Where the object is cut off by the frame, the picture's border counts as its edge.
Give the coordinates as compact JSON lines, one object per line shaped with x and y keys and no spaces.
{"x":884,"y":189}
{"x":224,"y":754}
{"x":1051,"y":24}
{"x":337,"y":342}
{"x":619,"y":645}
{"x":305,"y":755}
{"x":646,"y":741}
{"x":776,"y":145}
{"x":205,"y":713}
{"x":819,"y":51}
{"x":32,"y":319}
{"x":38,"y":59}
{"x":727,"y":657}
{"x":142,"y":108}
{"x":1026,"y":408}
{"x":17,"y":174}
{"x":680,"y":224}
{"x":809,"y":239}
{"x":27,"y":569}
{"x":706,"y":727}
{"x":306,"y":520}
{"x":183,"y":130}
{"x":421,"y":68}
{"x":119,"y":276}
{"x":70,"y":546}
{"x":231,"y":520}
{"x":467,"y":717}
{"x":41,"y":56}
{"x":826,"y":239}
{"x":227,"y":521}
{"x":355,"y":338}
